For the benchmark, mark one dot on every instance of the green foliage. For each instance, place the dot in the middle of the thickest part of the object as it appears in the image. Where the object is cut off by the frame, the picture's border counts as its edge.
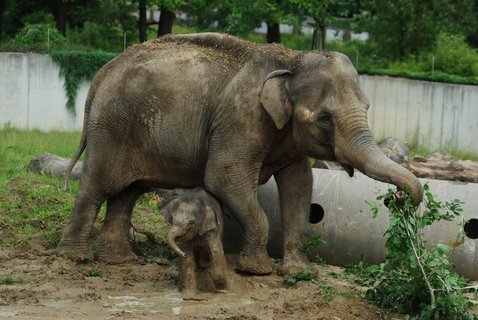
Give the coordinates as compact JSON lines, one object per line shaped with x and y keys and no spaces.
{"x":37,"y":37}
{"x":315,"y":241}
{"x":78,"y":66}
{"x":11,"y":280}
{"x":95,"y":35}
{"x":454,"y":56}
{"x":306,"y":275}
{"x":413,"y":279}
{"x":414,"y":24}
{"x":94,"y":272}
{"x":451,"y":56}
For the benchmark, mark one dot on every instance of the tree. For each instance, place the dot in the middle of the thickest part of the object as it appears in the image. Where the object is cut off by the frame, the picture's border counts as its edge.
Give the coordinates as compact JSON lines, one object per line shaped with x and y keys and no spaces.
{"x":143,"y":27}
{"x":409,"y":27}
{"x":320,"y":11}
{"x":60,"y":10}
{"x":167,"y":17}
{"x":244,"y":16}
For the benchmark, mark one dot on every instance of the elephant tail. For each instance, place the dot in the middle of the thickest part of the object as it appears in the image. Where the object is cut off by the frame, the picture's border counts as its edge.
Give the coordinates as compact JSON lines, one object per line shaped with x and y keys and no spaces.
{"x":82,"y":146}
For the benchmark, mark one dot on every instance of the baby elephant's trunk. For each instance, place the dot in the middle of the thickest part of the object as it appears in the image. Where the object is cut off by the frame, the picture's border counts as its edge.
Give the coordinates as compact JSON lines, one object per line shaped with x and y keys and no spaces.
{"x":176,"y":231}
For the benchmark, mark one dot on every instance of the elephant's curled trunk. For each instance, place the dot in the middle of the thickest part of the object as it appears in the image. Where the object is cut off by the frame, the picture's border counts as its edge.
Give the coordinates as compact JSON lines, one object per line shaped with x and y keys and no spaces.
{"x":367,"y":157}
{"x":174,"y":232}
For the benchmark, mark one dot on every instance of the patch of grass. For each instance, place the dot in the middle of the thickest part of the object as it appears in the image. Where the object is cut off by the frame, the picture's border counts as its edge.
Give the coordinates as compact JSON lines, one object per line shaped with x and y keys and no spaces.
{"x":30,"y":203}
{"x":34,"y":206}
{"x":326,"y":290}
{"x":11,"y":280}
{"x":424,"y":152}
{"x":94,"y":272}
{"x":349,"y":294}
{"x":306,"y":275}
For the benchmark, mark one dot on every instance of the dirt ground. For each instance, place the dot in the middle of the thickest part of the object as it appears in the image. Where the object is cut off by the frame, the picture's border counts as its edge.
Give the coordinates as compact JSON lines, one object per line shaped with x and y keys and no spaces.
{"x":38,"y":285}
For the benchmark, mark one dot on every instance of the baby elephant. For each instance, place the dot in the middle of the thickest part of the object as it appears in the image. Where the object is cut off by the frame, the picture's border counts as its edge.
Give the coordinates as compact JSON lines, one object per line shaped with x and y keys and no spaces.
{"x":196,"y":224}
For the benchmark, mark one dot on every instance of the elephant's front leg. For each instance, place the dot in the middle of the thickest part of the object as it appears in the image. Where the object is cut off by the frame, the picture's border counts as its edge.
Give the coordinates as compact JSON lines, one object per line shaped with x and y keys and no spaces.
{"x":218,"y":265}
{"x":236,"y":186}
{"x":187,"y":274}
{"x":295,"y":192}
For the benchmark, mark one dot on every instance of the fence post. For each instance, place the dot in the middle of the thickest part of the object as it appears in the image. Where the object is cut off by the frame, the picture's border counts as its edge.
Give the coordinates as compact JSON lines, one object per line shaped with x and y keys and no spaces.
{"x":357,"y":59}
{"x":433,"y":65}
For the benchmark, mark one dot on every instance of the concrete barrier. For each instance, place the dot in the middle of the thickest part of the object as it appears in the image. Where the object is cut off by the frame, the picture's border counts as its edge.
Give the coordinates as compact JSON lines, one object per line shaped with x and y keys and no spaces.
{"x":32,"y":94}
{"x":433,"y":115}
{"x":345,"y":221}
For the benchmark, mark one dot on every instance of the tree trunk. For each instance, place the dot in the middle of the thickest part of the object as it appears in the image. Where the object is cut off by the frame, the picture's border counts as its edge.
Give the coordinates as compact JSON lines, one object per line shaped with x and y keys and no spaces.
{"x":322,"y":36}
{"x":166,"y":20}
{"x":143,"y":36}
{"x":2,"y":9}
{"x":62,"y":9}
{"x":318,"y":38}
{"x":273,"y":32}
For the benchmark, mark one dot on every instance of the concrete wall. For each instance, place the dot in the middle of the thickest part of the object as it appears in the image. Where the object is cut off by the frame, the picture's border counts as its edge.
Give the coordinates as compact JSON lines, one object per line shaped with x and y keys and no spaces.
{"x":436,"y":115}
{"x":32,"y":94}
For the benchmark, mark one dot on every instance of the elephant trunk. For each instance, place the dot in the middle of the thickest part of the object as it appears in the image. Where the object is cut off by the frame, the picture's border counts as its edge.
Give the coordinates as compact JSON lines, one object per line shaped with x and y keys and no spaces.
{"x":174,"y":232}
{"x":361,"y":152}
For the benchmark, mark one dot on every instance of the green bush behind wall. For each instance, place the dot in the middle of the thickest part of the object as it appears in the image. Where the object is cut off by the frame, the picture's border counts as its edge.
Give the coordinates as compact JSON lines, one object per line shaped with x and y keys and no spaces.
{"x":78,"y":66}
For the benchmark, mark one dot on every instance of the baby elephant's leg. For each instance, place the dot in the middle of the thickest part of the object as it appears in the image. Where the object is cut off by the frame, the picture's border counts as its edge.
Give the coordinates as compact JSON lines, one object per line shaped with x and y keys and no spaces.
{"x":187,"y":274}
{"x":218,"y":266}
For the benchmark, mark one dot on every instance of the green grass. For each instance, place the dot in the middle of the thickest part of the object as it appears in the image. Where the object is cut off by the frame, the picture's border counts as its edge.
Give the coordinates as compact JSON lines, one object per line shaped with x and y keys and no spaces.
{"x":424,"y":152}
{"x":34,"y":206}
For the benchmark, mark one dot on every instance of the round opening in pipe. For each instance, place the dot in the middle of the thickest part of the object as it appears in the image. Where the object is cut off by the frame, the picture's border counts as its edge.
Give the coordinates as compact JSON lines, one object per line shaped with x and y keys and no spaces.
{"x":471,"y":229}
{"x":316,"y":213}
{"x":387,"y":201}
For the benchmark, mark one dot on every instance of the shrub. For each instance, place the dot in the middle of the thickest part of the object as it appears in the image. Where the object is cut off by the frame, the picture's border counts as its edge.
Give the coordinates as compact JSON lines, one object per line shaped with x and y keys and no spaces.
{"x":98,"y":36}
{"x":454,"y":56}
{"x":414,"y":279}
{"x":38,"y":36}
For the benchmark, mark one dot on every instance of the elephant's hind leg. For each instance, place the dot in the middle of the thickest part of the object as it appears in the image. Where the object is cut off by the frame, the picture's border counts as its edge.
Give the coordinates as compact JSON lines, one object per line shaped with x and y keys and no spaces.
{"x":113,"y":241}
{"x":75,"y":241}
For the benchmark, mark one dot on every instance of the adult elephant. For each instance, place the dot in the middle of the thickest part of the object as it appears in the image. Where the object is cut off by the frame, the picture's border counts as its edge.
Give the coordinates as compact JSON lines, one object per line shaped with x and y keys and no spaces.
{"x":215,"y":111}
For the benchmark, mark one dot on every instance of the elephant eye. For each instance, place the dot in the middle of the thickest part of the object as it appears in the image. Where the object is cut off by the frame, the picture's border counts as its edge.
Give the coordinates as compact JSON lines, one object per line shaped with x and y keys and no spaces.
{"x":324,"y":120}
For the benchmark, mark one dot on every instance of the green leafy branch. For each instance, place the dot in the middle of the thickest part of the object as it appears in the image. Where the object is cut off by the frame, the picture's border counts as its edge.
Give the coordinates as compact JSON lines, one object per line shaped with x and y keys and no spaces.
{"x":413,"y":279}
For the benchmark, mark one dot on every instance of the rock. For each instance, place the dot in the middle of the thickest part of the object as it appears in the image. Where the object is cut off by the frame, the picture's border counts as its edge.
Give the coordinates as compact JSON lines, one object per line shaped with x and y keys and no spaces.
{"x":443,"y":166}
{"x":53,"y":165}
{"x":395,"y":149}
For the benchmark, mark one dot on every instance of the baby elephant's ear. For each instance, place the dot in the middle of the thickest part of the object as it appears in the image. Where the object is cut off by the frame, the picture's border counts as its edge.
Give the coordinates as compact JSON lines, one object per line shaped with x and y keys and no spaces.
{"x":209,"y":222}
{"x":166,"y":209}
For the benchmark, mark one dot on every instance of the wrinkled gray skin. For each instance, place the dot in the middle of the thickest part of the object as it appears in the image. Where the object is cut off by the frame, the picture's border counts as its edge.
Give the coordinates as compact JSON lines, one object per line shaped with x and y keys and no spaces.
{"x":196,"y":224}
{"x":215,"y":111}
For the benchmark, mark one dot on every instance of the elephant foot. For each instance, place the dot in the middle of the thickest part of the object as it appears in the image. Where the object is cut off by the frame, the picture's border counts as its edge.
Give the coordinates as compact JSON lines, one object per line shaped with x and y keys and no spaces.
{"x":115,"y":254}
{"x":220,"y":282}
{"x":293,"y":265}
{"x":191,"y":294}
{"x":75,"y":252}
{"x":259,"y":264}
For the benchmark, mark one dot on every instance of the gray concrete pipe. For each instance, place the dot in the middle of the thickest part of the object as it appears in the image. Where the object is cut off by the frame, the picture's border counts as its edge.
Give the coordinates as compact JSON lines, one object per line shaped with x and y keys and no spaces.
{"x":339,"y":213}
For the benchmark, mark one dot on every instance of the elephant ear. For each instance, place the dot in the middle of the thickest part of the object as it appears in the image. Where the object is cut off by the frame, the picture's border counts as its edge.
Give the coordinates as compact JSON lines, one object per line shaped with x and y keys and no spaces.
{"x":209,"y":221}
{"x":275,"y":99}
{"x":167,"y":208}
